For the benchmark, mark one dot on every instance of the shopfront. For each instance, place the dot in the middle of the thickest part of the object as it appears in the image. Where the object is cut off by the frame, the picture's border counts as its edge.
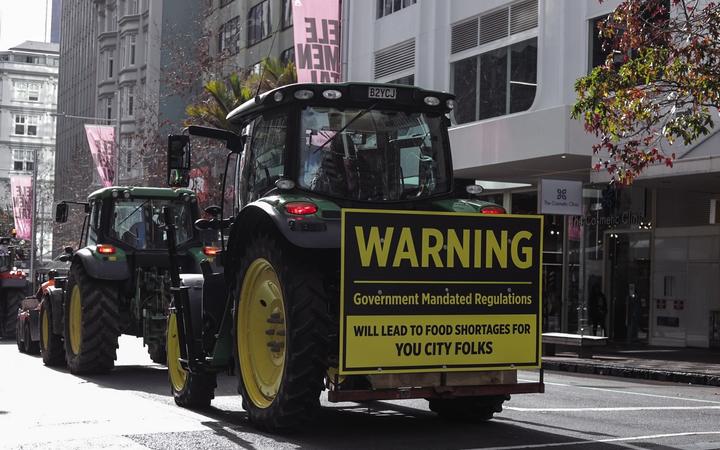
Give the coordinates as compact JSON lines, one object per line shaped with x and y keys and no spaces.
{"x":641,"y":264}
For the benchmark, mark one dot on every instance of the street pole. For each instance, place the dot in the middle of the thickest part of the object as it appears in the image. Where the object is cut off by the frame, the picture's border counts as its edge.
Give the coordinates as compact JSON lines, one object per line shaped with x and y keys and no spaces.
{"x":116,"y":180}
{"x":33,"y":213}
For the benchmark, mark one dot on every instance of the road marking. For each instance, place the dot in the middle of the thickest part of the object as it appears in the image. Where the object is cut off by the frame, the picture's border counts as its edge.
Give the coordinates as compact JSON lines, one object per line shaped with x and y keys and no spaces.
{"x":608,"y":440}
{"x":619,"y":408}
{"x":620,"y":391}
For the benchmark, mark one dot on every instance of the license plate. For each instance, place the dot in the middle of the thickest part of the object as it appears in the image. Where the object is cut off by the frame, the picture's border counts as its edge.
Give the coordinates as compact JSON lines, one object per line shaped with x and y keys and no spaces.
{"x":382,"y":92}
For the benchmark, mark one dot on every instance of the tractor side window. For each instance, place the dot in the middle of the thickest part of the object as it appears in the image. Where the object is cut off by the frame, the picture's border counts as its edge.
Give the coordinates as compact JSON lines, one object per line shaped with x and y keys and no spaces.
{"x":94,"y":222}
{"x":267,"y":152}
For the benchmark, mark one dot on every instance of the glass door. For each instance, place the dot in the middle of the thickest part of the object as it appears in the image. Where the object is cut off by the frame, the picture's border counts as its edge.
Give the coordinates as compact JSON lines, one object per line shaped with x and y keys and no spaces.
{"x":627,"y":287}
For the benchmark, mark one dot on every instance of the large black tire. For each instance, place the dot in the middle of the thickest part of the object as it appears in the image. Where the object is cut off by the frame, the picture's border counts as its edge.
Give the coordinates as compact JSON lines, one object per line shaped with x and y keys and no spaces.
{"x":52,"y":347}
{"x":157,"y":353}
{"x":13,"y":298}
{"x":468,"y":409}
{"x":91,"y":313}
{"x":285,"y":327}
{"x":31,"y":347}
{"x":190,"y":390}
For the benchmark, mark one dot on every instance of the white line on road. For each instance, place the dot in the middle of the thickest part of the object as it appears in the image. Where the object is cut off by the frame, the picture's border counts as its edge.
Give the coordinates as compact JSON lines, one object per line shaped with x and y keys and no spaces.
{"x":600,"y":441}
{"x":620,"y":408}
{"x":620,"y":391}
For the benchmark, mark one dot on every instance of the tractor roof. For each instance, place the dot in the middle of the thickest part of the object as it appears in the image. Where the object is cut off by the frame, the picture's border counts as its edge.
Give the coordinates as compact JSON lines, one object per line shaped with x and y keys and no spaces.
{"x":350,"y":94}
{"x":140,"y":192}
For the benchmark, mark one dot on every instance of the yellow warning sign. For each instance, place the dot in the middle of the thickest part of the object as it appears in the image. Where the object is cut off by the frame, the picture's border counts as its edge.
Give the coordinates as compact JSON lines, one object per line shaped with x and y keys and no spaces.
{"x":430,"y":291}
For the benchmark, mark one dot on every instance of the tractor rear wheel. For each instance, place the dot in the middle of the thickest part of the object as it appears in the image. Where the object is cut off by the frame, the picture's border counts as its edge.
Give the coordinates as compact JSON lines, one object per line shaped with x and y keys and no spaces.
{"x":158,"y":353}
{"x":468,"y":409}
{"x":52,"y":348}
{"x":30,"y":347}
{"x":91,"y":323}
{"x":281,"y":335}
{"x":13,"y":298}
{"x":190,"y":390}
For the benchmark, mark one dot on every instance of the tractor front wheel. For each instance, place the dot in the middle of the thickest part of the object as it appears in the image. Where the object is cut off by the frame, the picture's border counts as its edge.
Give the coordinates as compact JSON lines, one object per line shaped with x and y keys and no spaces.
{"x":91,"y":323}
{"x":51,"y":345}
{"x":190,"y":390}
{"x":281,"y":335}
{"x":468,"y":409}
{"x":13,"y":298}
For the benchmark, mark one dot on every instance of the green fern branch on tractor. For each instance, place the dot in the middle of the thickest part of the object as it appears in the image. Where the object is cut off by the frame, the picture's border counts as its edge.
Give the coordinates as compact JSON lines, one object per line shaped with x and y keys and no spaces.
{"x":659,"y":85}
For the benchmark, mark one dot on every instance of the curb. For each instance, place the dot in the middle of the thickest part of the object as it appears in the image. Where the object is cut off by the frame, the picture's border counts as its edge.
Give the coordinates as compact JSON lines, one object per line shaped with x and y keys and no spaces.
{"x":633,"y":372}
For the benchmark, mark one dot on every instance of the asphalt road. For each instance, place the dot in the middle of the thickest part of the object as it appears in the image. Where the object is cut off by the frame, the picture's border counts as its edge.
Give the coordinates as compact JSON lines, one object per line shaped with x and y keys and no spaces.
{"x":131,"y":408}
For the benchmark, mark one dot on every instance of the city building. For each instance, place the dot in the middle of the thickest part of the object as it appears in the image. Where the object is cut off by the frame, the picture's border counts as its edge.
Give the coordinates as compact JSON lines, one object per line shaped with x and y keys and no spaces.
{"x":244,"y":32}
{"x":652,"y":249}
{"x":28,"y":100}
{"x":127,"y":64}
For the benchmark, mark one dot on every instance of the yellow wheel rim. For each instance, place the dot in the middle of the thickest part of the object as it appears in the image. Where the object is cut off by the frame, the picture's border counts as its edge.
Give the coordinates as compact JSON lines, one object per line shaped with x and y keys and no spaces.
{"x":261,"y":333}
{"x":75,"y":322}
{"x":44,"y":329}
{"x":178,"y":375}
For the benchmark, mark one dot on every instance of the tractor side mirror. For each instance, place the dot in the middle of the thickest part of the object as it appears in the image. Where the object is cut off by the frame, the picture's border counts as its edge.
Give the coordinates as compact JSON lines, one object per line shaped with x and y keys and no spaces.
{"x":69,"y":250}
{"x":178,"y":160}
{"x":61,"y":212}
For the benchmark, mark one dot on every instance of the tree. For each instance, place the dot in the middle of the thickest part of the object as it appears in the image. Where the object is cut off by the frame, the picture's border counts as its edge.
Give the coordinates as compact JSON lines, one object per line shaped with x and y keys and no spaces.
{"x":221,"y":97}
{"x":660,"y":83}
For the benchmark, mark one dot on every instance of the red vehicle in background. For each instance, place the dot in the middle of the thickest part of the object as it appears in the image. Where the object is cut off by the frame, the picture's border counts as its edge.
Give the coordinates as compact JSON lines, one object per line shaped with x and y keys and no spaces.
{"x":13,"y":287}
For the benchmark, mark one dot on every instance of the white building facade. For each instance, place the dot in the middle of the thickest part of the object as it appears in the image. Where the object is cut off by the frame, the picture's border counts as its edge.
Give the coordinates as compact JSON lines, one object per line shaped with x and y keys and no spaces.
{"x":28,"y":101}
{"x":653,"y":249}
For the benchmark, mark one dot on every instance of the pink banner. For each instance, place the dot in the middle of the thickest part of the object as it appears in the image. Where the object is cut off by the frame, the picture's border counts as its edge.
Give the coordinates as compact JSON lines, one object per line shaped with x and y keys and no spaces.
{"x":317,"y":40}
{"x":101,"y":139}
{"x":21,"y":187}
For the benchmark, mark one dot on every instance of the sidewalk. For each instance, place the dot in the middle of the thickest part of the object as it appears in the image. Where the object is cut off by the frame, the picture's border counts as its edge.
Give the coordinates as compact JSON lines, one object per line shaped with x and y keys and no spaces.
{"x":680,"y":365}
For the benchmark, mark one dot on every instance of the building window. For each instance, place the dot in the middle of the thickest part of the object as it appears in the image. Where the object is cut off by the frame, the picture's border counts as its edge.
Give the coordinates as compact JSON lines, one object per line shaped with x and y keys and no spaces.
{"x":259,"y":22}
{"x":132,"y":7}
{"x":108,"y":108}
{"x":495,"y":83}
{"x":26,"y":125}
{"x":288,"y":56}
{"x":110,"y":64}
{"x":27,"y":91}
{"x":287,"y":17}
{"x":597,"y":53}
{"x":23,"y":160}
{"x":127,"y":145}
{"x":408,"y":80}
{"x":385,"y":7}
{"x":130,"y":95}
{"x":229,"y":38}
{"x":131,"y":53}
{"x":112,"y":20}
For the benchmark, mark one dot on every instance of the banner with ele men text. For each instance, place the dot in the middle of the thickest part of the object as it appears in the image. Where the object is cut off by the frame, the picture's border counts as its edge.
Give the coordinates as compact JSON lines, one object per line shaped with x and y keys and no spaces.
{"x":101,"y":139}
{"x":22,"y":197}
{"x":317,"y":40}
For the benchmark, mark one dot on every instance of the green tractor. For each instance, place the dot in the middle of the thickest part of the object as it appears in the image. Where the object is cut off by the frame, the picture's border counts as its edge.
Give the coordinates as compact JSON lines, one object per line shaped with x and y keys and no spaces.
{"x":118,"y":282}
{"x":351,"y":265}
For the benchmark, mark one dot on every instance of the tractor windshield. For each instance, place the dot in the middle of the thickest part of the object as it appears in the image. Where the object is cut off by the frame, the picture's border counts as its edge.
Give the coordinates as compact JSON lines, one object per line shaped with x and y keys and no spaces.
{"x":373,"y":155}
{"x":139,"y":222}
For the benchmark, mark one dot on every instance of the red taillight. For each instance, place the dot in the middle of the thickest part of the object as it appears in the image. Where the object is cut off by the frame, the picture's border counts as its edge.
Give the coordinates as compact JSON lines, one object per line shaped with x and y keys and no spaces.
{"x":301,"y":208}
{"x":493,"y":210}
{"x":211,"y":251}
{"x":106,"y":249}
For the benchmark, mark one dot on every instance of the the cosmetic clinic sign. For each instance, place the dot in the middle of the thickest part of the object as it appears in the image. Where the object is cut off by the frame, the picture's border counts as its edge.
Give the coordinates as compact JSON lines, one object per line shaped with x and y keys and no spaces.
{"x":317,"y":40}
{"x":562,"y":197}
